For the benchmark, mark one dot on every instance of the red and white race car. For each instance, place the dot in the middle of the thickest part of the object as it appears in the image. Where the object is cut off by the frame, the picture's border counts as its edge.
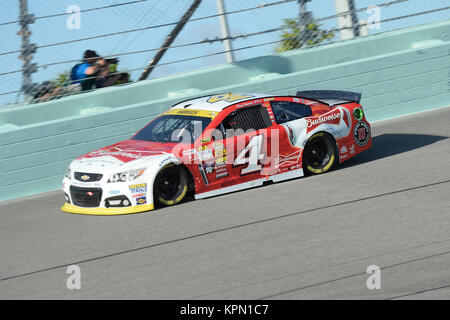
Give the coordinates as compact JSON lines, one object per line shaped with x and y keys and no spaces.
{"x":217,"y":144}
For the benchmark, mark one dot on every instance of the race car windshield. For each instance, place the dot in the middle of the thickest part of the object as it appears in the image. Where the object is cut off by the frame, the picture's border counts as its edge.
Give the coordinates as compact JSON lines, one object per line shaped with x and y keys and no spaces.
{"x":173,"y":128}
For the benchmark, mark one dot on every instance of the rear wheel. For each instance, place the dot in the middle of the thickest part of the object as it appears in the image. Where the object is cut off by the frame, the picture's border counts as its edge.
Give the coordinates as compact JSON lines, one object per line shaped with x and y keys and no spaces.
{"x":171,"y":185}
{"x":319,"y":154}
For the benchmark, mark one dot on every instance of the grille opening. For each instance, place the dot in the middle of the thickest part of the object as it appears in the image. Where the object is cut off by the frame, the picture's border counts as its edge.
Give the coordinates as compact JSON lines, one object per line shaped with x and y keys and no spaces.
{"x":88,"y":177}
{"x":86,"y":197}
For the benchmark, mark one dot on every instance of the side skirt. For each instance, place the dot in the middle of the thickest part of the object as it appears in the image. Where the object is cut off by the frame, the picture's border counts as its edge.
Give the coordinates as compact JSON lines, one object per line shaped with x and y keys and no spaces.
{"x":251,"y":184}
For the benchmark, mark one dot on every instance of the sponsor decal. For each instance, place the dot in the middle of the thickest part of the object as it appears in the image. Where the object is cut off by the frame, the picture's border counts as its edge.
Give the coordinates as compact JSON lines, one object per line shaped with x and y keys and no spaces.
{"x":138,"y":195}
{"x":248,"y":103}
{"x":221,"y":160}
{"x":288,"y":159}
{"x":305,"y":101}
{"x":332,"y":117}
{"x":113,"y":192}
{"x":189,"y":153}
{"x":138,"y":188}
{"x":245,"y":104}
{"x":206,"y":140}
{"x":164,"y":162}
{"x":140,"y":185}
{"x":227,"y":97}
{"x":142,"y":200}
{"x":220,"y":153}
{"x":217,"y":145}
{"x":99,"y":160}
{"x":192,"y":112}
{"x":310,"y":103}
{"x":131,"y":154}
{"x":352,"y":149}
{"x":221,"y":170}
{"x":85,"y":184}
{"x":358,"y":114}
{"x":208,"y":165}
{"x":361,"y":133}
{"x":344,"y":153}
{"x":205,"y":154}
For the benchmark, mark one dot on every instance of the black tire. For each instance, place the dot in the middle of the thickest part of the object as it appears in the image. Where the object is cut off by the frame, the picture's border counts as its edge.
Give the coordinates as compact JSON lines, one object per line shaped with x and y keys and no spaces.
{"x":171,"y":185}
{"x":319,"y":154}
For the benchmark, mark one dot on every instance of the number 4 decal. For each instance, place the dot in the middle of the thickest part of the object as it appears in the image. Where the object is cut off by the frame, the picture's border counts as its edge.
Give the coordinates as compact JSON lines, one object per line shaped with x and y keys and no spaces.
{"x":254,"y":149}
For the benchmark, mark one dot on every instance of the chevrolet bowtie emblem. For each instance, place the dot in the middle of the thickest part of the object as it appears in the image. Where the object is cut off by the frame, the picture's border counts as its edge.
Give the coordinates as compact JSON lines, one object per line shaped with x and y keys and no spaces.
{"x":85,"y":177}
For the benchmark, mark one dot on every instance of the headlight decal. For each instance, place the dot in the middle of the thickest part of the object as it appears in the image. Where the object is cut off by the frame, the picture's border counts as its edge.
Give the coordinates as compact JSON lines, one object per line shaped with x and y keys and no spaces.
{"x":125,"y":176}
{"x":68,"y":174}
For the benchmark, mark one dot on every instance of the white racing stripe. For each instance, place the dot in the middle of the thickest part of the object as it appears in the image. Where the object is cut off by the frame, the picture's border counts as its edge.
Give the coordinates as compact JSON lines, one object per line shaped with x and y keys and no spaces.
{"x":251,"y":184}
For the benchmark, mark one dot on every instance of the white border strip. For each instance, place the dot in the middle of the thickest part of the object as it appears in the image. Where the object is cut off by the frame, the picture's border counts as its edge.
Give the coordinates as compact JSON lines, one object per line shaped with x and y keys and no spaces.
{"x":251,"y":184}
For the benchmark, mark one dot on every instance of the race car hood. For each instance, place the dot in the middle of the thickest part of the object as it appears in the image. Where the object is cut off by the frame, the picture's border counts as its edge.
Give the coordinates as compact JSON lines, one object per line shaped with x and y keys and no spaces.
{"x":125,"y":154}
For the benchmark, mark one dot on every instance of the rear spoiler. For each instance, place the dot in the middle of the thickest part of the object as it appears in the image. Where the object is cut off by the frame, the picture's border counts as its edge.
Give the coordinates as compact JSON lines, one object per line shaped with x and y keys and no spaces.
{"x":330,"y":97}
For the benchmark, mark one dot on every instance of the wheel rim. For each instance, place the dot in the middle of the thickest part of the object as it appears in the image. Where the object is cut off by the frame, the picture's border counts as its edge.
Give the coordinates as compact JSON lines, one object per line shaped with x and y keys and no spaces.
{"x":317,"y":154}
{"x":169,"y":183}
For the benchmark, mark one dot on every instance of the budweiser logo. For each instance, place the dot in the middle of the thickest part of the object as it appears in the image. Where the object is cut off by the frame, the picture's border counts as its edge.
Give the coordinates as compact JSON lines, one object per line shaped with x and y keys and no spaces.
{"x":332,"y":117}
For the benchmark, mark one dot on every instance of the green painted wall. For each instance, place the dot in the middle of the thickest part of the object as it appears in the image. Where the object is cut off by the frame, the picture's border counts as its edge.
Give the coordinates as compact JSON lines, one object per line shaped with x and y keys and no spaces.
{"x":399,"y":72}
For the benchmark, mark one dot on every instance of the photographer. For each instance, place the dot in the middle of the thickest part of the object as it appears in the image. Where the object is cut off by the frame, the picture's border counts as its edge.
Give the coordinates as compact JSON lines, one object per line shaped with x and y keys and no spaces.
{"x":84,"y":75}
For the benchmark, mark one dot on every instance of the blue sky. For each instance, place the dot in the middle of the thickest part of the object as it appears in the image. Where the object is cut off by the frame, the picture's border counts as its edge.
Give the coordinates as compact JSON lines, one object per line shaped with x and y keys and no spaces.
{"x":154,"y":12}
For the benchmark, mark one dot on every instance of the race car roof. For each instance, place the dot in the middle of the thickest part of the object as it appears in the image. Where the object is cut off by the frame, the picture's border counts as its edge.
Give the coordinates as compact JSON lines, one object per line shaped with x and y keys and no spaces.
{"x":216,"y":102}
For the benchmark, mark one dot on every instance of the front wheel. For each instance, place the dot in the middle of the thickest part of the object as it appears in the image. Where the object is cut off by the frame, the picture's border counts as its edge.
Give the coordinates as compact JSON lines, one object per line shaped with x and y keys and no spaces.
{"x":171,"y":185}
{"x":319,"y":154}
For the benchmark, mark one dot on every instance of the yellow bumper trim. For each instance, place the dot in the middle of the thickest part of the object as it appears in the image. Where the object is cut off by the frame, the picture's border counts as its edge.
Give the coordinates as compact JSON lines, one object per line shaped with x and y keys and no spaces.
{"x":106,"y":211}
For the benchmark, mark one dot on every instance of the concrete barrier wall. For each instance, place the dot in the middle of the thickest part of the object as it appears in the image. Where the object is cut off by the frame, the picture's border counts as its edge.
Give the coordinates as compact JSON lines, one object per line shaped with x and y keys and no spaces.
{"x":399,"y":72}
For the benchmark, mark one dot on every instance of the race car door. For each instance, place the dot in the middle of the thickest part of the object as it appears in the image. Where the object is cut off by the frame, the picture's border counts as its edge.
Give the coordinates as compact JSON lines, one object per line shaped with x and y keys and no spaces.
{"x":241,"y":148}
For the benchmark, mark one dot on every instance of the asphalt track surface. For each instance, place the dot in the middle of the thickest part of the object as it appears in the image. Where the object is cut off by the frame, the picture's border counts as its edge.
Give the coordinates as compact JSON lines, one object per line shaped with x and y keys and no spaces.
{"x":308,"y":238}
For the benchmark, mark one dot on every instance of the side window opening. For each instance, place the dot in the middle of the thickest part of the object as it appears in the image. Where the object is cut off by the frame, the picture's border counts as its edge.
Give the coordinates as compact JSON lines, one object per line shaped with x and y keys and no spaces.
{"x":246,"y":119}
{"x":285,"y":111}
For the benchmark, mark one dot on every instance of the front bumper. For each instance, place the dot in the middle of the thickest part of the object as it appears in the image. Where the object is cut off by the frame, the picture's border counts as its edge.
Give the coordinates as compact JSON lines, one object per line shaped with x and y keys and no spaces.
{"x":67,"y":207}
{"x":96,"y":198}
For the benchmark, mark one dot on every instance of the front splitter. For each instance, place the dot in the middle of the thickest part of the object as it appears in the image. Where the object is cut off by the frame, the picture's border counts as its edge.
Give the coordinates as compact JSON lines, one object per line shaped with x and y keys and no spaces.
{"x":67,"y":207}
